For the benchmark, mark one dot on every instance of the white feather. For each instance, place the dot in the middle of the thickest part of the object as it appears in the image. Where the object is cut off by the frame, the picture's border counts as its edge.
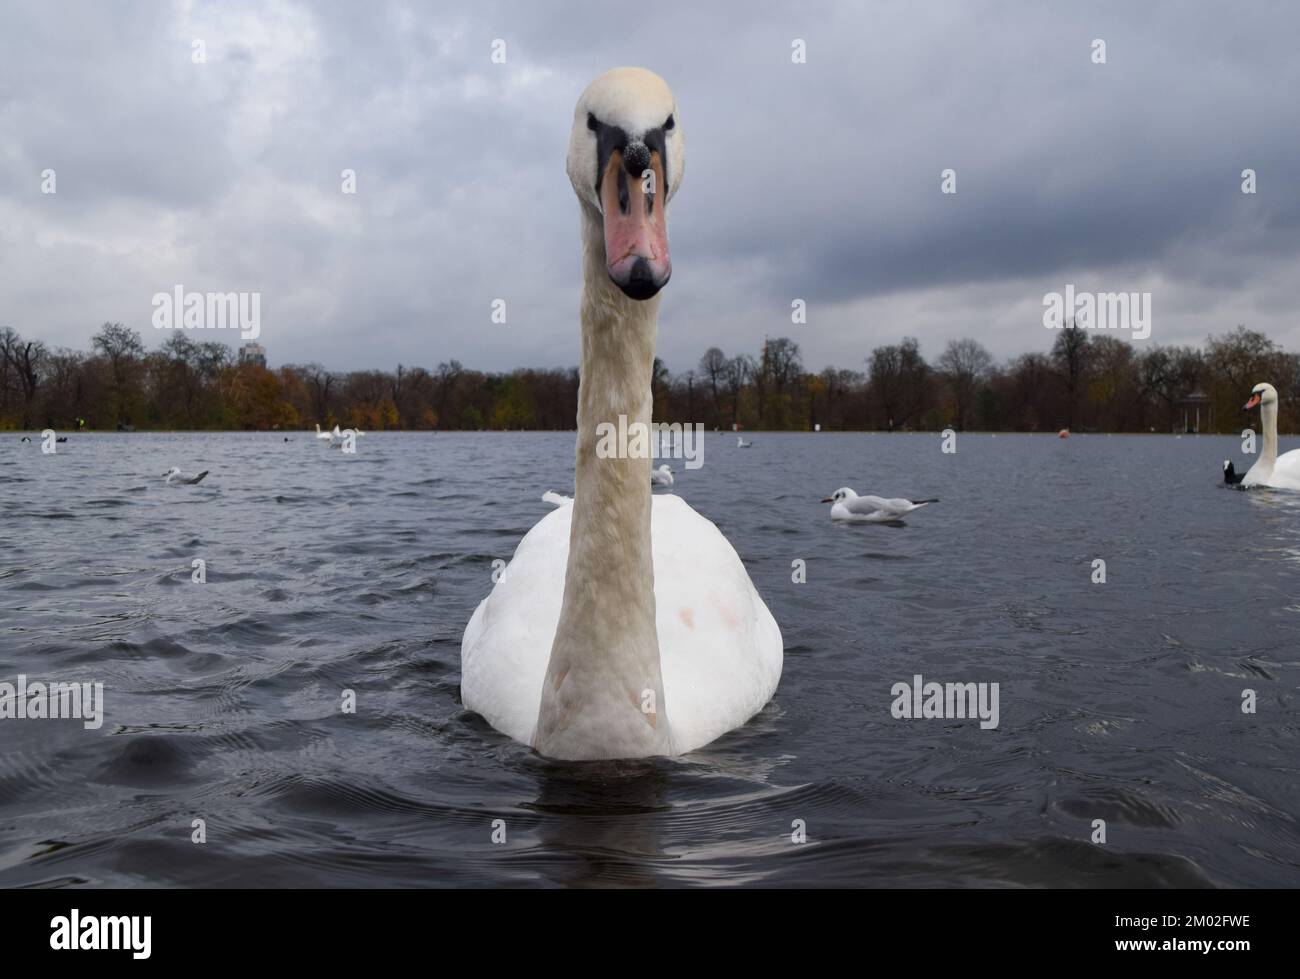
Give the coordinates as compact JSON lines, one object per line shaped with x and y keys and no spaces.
{"x":720,"y":649}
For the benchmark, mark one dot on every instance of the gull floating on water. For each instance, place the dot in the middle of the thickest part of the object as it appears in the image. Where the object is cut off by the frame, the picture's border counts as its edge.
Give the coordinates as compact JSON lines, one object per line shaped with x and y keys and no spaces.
{"x":663,"y":476}
{"x":870,"y":509}
{"x":741,"y":443}
{"x":175,"y":476}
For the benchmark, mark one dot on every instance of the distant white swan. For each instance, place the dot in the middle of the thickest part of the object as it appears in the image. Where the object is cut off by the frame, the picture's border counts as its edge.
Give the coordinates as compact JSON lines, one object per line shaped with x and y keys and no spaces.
{"x":663,"y":476}
{"x":625,"y":625}
{"x":870,"y":509}
{"x":325,"y":436}
{"x":176,"y":477}
{"x":742,"y":444}
{"x":1270,"y":469}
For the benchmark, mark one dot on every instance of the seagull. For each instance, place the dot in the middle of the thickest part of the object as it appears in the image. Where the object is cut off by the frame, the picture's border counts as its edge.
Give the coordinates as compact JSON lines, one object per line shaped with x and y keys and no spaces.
{"x":741,"y":443}
{"x":176,"y":477}
{"x":663,"y":476}
{"x":869,"y":509}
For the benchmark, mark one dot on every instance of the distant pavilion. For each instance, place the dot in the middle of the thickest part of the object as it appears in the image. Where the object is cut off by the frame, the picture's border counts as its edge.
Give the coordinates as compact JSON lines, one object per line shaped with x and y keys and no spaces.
{"x":1192,"y":405}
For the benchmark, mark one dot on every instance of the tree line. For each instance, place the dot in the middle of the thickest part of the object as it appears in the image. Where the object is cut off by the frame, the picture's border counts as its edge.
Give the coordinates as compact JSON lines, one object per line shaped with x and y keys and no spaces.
{"x":1085,"y":381}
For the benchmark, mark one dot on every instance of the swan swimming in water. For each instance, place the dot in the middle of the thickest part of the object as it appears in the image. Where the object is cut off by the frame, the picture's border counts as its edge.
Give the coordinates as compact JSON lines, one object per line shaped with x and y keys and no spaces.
{"x":850,"y":507}
{"x":742,"y":444}
{"x":1270,"y":469}
{"x":663,"y":476}
{"x":625,"y":625}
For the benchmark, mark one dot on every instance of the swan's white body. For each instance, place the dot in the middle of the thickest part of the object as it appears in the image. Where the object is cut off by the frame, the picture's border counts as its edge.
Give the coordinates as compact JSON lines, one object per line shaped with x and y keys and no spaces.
{"x":625,"y":625}
{"x":720,"y":648}
{"x":849,"y":507}
{"x":663,"y":476}
{"x":742,"y":444}
{"x":1271,"y":469}
{"x":324,"y":436}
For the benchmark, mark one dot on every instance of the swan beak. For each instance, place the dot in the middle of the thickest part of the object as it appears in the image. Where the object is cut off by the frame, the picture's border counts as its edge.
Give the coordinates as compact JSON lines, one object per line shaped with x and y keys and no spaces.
{"x":636,"y":228}
{"x":1254,"y":400}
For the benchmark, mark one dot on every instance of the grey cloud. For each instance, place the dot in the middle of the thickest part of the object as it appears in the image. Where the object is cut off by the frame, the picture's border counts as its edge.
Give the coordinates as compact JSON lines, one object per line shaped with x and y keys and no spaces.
{"x":819,"y":181}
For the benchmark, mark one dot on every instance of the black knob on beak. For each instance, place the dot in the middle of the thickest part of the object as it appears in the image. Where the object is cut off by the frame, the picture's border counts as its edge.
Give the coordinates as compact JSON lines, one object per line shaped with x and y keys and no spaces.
{"x":636,"y":158}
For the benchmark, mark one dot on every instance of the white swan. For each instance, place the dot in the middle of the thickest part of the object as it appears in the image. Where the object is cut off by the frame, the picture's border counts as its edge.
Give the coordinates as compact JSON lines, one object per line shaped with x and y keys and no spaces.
{"x":1270,"y":469}
{"x":603,"y":638}
{"x":870,"y":509}
{"x":663,"y":476}
{"x":742,"y":444}
{"x":329,"y":436}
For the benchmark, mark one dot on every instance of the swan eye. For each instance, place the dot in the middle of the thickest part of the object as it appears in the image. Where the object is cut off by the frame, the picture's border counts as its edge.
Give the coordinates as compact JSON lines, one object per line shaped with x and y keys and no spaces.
{"x":591,"y":122}
{"x":669,"y":124}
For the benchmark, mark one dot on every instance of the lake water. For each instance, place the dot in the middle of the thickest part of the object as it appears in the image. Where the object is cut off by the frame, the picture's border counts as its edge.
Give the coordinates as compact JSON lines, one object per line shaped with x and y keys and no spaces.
{"x":325,"y":572}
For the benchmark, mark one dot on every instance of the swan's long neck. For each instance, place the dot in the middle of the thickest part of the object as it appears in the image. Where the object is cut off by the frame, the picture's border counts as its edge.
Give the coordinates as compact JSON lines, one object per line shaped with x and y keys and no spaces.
{"x":603,"y":693}
{"x":1268,"y":419}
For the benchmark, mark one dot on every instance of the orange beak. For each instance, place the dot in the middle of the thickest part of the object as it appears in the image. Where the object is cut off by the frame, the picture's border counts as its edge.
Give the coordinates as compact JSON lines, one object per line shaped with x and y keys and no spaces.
{"x":632,"y":194}
{"x":1254,"y":400}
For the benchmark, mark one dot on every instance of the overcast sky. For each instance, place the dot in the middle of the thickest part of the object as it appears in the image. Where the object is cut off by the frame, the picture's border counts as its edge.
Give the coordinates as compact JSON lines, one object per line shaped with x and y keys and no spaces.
{"x":818,"y":181}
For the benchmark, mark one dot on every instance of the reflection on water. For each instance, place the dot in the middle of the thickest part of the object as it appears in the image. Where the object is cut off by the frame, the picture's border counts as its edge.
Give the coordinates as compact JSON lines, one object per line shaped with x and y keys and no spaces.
{"x":328,"y":573}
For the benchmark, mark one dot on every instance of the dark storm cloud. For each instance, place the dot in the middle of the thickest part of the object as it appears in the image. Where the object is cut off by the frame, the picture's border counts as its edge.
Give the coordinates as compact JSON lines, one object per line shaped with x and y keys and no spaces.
{"x":817,"y":180}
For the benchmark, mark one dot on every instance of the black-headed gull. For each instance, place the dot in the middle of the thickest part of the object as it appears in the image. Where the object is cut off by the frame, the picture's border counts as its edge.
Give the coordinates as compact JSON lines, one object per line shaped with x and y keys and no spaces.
{"x":870,"y":509}
{"x":176,"y":477}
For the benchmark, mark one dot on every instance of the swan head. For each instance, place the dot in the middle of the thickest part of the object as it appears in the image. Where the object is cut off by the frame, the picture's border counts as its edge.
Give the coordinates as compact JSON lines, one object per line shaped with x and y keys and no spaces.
{"x":840,"y":495}
{"x":1261,"y":394}
{"x":626,"y":158}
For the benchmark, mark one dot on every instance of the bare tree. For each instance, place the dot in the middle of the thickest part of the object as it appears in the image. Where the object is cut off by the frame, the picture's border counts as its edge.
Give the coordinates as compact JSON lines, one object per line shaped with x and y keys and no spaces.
{"x":900,"y":380}
{"x":713,"y":365}
{"x":123,"y":348}
{"x":965,"y":364}
{"x":738,"y":371}
{"x":25,"y":358}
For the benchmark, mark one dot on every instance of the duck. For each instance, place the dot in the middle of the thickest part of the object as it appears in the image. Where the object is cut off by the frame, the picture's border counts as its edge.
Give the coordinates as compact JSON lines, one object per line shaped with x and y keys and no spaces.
{"x":1270,"y":469}
{"x":625,"y":624}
